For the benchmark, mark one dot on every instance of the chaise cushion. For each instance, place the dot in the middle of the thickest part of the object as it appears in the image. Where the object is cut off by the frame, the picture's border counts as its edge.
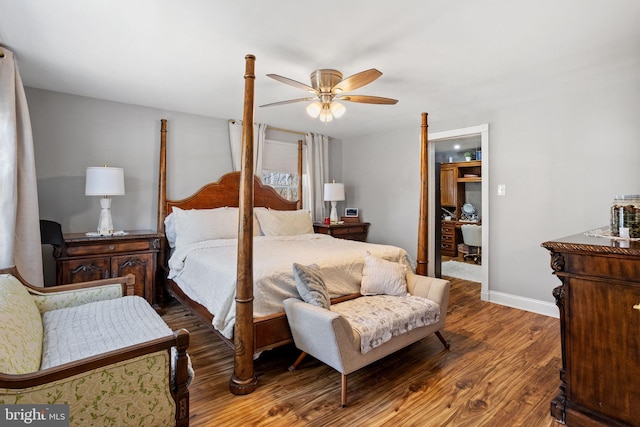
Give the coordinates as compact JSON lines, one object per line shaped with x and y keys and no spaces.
{"x":89,"y":329}
{"x":378,"y":318}
{"x":20,"y":328}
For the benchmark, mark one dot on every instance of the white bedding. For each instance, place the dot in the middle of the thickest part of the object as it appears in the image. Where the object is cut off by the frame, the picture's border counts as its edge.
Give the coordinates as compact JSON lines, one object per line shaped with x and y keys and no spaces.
{"x":206,"y":271}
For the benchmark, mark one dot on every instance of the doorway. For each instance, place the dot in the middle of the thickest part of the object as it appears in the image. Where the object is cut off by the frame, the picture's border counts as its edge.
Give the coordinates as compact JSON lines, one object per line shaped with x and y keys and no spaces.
{"x":450,"y":147}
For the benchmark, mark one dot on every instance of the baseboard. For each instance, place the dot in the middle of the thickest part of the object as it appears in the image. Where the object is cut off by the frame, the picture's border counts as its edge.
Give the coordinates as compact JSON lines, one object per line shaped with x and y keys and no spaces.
{"x":528,"y":304}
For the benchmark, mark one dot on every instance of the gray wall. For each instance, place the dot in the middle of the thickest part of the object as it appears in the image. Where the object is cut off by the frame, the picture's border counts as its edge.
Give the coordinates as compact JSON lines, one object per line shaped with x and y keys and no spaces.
{"x":72,"y":132}
{"x":563,"y":156}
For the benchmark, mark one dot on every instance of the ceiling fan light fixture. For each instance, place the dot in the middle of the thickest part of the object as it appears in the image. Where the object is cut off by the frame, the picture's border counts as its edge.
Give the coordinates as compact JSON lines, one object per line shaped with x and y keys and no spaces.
{"x":328,"y":86}
{"x":314,"y":109}
{"x":325,"y":115}
{"x":337,"y":109}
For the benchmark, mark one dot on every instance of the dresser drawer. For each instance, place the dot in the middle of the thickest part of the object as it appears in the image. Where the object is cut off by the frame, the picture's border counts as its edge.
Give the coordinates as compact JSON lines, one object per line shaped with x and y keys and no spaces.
{"x":448,"y":228}
{"x":110,"y":247}
{"x":356,"y":229}
{"x":448,"y":238}
{"x":591,"y":265}
{"x":449,"y":246}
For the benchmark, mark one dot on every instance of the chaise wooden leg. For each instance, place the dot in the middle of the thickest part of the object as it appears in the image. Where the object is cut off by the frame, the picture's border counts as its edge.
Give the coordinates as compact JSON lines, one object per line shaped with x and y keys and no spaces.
{"x":343,"y":395}
{"x":297,"y":362}
{"x":442,"y":340}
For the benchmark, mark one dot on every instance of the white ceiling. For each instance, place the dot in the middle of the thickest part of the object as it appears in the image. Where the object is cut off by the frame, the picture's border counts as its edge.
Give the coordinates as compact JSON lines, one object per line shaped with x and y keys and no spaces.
{"x":449,"y":58}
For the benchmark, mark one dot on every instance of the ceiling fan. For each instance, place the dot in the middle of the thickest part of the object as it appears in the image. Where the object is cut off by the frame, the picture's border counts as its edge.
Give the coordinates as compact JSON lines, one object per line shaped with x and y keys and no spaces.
{"x":328,"y":87}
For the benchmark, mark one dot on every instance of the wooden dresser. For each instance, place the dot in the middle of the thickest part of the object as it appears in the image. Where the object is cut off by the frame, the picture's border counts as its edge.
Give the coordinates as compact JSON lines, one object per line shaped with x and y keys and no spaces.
{"x":348,"y":230}
{"x":83,"y":258}
{"x":599,"y":302}
{"x":450,"y":239}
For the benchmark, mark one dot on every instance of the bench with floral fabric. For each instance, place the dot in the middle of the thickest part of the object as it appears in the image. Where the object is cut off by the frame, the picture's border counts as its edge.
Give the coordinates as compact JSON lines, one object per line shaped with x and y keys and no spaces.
{"x":95,"y":347}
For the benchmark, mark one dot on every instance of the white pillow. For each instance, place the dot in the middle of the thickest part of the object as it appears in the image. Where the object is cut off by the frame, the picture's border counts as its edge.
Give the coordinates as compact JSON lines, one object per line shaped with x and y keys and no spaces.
{"x":197,"y":225}
{"x":170,"y":229}
{"x":284,"y":223}
{"x":382,"y":277}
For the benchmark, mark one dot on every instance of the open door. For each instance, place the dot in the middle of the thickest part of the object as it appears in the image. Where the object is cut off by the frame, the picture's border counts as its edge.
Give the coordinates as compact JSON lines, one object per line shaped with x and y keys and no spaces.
{"x":444,"y":139}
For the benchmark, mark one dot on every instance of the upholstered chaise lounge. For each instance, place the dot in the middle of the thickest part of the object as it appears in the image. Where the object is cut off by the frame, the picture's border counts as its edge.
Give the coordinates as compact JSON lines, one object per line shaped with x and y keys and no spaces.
{"x":108,"y":356}
{"x":331,"y":338}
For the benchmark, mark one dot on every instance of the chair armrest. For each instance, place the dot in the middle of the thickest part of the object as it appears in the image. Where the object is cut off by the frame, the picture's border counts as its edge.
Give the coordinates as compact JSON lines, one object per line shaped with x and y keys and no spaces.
{"x":428,"y":287}
{"x":432,"y":288}
{"x":72,"y":295}
{"x":141,"y":374}
{"x":87,"y":364}
{"x":328,"y":329}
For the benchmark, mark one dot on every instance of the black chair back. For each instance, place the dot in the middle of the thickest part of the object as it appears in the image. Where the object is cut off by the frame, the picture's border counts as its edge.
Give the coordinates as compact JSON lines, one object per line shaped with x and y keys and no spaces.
{"x":51,"y":233}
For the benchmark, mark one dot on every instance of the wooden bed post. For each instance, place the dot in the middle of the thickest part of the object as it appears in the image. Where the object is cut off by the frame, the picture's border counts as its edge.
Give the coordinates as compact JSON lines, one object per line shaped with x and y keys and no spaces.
{"x":244,"y":380}
{"x":161,"y":270}
{"x":423,"y":219}
{"x":162,"y":177}
{"x":300,"y":174}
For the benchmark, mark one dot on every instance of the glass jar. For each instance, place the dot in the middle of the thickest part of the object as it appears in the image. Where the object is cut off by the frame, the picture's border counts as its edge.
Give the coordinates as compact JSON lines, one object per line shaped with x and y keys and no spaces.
{"x":625,"y":216}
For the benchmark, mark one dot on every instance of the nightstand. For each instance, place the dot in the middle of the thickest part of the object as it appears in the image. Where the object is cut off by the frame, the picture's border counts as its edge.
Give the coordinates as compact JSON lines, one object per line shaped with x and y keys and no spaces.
{"x":349,"y":231}
{"x":82,"y":258}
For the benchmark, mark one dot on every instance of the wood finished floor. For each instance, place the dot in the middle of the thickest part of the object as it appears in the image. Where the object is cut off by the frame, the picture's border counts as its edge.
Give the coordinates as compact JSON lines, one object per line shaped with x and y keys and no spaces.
{"x":502,"y":370}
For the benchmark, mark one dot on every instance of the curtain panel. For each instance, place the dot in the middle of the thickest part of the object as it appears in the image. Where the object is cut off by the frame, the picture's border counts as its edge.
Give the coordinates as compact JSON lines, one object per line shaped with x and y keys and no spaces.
{"x":19,"y":212}
{"x":317,"y":167}
{"x":235,"y":142}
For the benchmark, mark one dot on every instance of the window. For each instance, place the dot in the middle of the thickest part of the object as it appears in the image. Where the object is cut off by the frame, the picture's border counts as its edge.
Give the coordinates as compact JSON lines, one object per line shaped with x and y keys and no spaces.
{"x":285,"y":183}
{"x":280,"y":168}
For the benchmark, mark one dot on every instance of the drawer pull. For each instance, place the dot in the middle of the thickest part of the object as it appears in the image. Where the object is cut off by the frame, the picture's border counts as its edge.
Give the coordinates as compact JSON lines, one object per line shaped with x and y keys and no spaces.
{"x":112,"y":247}
{"x":636,"y":307}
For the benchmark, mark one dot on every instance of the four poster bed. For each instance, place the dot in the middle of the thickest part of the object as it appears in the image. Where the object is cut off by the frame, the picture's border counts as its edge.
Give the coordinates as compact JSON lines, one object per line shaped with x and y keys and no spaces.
{"x":228,"y":262}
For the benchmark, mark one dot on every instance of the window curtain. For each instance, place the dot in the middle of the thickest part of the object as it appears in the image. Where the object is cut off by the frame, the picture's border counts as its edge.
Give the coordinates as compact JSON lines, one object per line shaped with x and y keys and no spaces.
{"x":317,"y":167}
{"x":19,"y":216}
{"x":235,"y":142}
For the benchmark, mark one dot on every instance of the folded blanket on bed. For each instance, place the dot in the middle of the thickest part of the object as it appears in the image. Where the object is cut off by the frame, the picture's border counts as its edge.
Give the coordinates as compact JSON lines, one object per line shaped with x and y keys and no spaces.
{"x":206,"y":271}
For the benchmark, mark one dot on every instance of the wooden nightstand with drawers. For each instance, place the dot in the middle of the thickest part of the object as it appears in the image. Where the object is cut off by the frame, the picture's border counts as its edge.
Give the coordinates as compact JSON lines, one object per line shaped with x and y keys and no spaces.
{"x":83,"y":258}
{"x":348,"y":231}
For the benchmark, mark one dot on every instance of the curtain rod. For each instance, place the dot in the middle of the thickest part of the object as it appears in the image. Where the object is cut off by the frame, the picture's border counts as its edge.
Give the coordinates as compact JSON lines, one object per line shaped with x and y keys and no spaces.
{"x":287,"y":130}
{"x":278,"y":129}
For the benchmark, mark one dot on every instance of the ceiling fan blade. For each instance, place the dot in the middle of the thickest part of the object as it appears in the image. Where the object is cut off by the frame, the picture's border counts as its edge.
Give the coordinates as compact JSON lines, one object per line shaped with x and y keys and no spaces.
{"x":365,"y":99}
{"x":292,"y":82}
{"x":290,"y":101}
{"x":357,"y":80}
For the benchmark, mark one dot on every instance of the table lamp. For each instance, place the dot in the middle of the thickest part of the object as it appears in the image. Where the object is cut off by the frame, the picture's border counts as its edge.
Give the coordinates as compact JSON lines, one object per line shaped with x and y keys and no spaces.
{"x":333,"y":193}
{"x":104,"y":181}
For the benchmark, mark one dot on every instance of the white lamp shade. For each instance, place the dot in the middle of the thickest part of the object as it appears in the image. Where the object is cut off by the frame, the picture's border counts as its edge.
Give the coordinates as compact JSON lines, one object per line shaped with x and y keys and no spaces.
{"x":314,"y":109}
{"x":333,"y":192}
{"x":104,"y":181}
{"x":325,"y":115}
{"x":337,"y":109}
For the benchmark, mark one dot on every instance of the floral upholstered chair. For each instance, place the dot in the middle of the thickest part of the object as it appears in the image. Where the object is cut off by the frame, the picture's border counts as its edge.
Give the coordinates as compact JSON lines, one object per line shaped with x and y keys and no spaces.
{"x":108,"y":356}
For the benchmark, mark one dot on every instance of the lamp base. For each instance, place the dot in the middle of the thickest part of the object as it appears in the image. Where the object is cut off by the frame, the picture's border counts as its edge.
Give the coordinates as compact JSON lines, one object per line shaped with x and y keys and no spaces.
{"x":105,"y":225}
{"x":333,"y":217}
